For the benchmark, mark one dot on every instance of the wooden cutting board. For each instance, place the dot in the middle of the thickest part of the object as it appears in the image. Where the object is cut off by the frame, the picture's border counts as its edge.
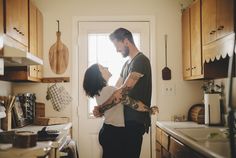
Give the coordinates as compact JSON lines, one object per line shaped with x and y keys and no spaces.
{"x":45,"y":121}
{"x":58,"y":55}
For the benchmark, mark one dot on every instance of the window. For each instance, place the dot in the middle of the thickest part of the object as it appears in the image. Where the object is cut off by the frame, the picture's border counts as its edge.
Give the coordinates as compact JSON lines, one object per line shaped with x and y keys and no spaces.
{"x":101,"y":50}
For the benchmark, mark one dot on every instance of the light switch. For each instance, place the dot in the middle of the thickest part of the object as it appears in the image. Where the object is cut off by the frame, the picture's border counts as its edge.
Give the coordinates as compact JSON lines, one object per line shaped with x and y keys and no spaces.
{"x":168,"y":89}
{"x":1,"y":66}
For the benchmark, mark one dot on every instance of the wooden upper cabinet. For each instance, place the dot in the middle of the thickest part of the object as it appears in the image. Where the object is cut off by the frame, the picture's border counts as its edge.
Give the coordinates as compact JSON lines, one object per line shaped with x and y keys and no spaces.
{"x":33,"y":36}
{"x":36,"y":39}
{"x":208,"y":20}
{"x":17,"y":20}
{"x":186,"y":43}
{"x":225,"y":18}
{"x":195,"y":31}
{"x":217,"y":18}
{"x":1,"y":17}
{"x":24,"y":22}
{"x":191,"y":41}
{"x":40,"y":34}
{"x":40,"y":41}
{"x":33,"y":29}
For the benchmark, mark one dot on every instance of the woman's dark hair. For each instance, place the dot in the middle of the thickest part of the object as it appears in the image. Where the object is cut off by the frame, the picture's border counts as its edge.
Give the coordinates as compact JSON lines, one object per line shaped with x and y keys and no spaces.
{"x":93,"y":81}
{"x":120,"y":34}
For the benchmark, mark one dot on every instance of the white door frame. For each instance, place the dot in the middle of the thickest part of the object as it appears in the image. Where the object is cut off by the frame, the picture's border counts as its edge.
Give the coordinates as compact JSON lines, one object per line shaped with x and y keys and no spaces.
{"x":75,"y":64}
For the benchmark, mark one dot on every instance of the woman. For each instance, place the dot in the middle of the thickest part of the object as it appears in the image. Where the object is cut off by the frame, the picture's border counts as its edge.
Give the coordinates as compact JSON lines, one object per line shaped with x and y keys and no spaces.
{"x":95,"y":85}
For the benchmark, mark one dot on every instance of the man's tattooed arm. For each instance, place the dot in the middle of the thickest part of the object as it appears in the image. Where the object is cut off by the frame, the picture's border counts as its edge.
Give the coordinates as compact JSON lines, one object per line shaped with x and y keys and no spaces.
{"x":128,"y":101}
{"x":121,"y":96}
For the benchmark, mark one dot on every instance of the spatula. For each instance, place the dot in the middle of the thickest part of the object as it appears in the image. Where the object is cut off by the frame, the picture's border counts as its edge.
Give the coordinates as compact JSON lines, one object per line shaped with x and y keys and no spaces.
{"x":166,"y":72}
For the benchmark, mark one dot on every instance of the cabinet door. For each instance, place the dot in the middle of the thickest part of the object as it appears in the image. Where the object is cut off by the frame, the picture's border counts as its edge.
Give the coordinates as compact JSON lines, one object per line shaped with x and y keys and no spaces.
{"x":33,"y":36}
{"x":1,"y":17}
{"x":178,"y":150}
{"x":33,"y":29}
{"x":158,"y":150}
{"x":40,"y":41}
{"x":12,"y":26}
{"x":208,"y":21}
{"x":196,"y":51}
{"x":225,"y":15}
{"x":40,"y":34}
{"x":17,"y":20}
{"x":186,"y":43}
{"x":23,"y":21}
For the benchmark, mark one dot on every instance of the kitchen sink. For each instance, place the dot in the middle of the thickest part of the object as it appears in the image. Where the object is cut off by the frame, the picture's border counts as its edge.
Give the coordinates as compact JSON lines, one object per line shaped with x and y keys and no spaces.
{"x":205,"y":133}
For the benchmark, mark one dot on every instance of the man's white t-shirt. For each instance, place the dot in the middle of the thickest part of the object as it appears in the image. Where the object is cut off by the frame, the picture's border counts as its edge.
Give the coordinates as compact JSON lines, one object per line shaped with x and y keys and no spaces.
{"x":115,"y":115}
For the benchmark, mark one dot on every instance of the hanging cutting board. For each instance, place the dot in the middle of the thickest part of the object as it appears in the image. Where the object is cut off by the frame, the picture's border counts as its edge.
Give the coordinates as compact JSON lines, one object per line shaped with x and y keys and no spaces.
{"x":58,"y":55}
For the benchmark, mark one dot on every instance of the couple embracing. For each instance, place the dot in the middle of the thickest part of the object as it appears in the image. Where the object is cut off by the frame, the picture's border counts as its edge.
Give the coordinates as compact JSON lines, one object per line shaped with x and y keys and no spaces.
{"x":125,"y":106}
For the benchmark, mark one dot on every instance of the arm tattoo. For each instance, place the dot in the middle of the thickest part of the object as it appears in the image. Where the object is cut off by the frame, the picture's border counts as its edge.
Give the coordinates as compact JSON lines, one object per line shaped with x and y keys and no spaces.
{"x":106,"y":107}
{"x":102,"y":109}
{"x":134,"y":104}
{"x":127,"y":101}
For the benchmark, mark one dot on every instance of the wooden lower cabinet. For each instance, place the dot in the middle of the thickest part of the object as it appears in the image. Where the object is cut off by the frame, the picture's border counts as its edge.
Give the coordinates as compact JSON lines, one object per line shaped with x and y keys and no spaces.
{"x":165,"y":153}
{"x":169,"y":147}
{"x":158,"y":150}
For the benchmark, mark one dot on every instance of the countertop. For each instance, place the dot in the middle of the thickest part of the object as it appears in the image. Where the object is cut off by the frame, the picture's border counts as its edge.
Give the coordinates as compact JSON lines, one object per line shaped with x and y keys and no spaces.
{"x":42,"y":147}
{"x":216,"y":149}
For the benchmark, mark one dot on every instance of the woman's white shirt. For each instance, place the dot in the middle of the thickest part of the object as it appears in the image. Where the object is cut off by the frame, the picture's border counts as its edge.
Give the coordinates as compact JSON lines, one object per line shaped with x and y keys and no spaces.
{"x":115,"y":115}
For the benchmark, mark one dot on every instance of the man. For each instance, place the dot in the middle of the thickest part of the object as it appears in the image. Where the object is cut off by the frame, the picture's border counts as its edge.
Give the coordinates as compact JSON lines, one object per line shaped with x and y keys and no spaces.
{"x":136,"y":81}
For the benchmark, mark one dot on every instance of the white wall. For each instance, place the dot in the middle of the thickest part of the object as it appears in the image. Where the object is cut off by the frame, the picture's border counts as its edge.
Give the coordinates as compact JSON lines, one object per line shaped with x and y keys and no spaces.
{"x":5,"y":88}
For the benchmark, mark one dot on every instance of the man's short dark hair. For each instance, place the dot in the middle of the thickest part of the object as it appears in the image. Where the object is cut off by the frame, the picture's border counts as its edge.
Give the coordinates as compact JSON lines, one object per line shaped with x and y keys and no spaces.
{"x":93,"y":81}
{"x":120,"y":34}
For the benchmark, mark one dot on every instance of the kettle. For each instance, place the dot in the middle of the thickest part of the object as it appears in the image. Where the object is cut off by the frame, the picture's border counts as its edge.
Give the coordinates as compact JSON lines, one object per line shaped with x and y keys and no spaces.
{"x":213,"y":108}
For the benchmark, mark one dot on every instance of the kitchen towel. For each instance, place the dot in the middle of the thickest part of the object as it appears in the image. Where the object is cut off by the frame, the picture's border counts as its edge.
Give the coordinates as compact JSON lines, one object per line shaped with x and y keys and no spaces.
{"x":2,"y":109}
{"x":59,"y":97}
{"x":2,"y":115}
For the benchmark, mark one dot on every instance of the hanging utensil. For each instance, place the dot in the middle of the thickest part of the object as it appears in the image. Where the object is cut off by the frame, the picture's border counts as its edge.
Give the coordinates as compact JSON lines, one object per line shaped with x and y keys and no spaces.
{"x":166,"y":72}
{"x":58,"y":55}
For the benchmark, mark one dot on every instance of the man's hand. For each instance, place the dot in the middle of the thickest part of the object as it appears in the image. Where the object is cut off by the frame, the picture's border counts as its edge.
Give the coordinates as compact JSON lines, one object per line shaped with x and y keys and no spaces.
{"x":96,"y":112}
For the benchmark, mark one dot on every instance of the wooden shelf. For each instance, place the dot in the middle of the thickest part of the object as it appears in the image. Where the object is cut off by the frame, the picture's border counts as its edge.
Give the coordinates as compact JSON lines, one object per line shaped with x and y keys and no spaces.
{"x":55,"y":79}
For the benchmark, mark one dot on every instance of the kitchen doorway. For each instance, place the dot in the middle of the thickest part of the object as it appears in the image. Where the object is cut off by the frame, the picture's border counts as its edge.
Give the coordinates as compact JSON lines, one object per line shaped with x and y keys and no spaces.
{"x":95,"y":46}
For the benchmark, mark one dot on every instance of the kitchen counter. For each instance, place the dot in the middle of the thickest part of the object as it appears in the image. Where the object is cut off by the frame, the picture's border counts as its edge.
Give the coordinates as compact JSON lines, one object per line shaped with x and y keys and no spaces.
{"x":218,"y":148}
{"x":42,"y":148}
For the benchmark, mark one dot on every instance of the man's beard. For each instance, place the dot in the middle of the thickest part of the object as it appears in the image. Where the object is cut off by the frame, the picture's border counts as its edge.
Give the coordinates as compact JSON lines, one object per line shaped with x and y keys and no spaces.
{"x":126,"y":52}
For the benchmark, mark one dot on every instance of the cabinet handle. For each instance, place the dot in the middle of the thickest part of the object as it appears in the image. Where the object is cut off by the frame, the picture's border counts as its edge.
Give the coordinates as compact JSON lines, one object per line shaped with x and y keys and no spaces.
{"x":21,"y":33}
{"x":212,"y":32}
{"x":187,"y":69}
{"x":16,"y":29}
{"x":220,"y":28}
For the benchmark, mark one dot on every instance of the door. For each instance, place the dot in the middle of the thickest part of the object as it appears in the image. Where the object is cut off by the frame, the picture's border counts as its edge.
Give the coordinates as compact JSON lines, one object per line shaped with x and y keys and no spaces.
{"x":95,"y":46}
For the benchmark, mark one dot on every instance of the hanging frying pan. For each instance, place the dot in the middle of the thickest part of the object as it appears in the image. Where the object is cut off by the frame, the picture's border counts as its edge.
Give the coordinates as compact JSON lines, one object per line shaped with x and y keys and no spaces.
{"x":58,"y":55}
{"x":166,"y":72}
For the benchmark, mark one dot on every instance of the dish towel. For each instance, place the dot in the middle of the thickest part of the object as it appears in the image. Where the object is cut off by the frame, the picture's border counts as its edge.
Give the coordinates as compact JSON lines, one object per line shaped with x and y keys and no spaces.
{"x":2,"y":115}
{"x":2,"y":109}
